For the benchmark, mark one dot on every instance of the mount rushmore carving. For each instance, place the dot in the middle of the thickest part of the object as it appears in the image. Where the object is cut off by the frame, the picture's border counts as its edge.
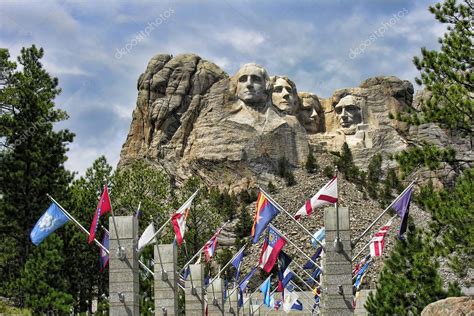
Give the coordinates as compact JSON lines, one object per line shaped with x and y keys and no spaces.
{"x":191,"y":118}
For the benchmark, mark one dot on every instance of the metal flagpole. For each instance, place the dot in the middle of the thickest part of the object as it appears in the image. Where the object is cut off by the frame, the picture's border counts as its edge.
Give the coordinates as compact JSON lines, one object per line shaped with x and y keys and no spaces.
{"x":297,"y":248}
{"x":169,"y":219}
{"x":337,"y":242}
{"x":366,"y":245}
{"x":304,"y":293}
{"x":304,"y":282}
{"x":257,"y":288}
{"x":307,"y":273}
{"x":238,"y":284}
{"x":226,"y":265}
{"x":291,"y":216}
{"x":381,"y":214}
{"x":271,"y":293}
{"x":87,"y":232}
{"x":199,"y":251}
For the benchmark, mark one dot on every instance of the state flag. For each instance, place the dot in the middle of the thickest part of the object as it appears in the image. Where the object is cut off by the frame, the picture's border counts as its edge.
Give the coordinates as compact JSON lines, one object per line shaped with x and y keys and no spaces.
{"x":270,"y":249}
{"x":179,"y":219}
{"x":284,"y":272}
{"x":103,"y":207}
{"x":237,"y":261}
{"x":51,"y":220}
{"x":104,"y":255}
{"x":148,"y":237}
{"x":264,"y":213}
{"x":210,"y":246}
{"x":310,"y":263}
{"x":326,"y":196}
{"x":402,"y":207}
{"x":378,"y":241}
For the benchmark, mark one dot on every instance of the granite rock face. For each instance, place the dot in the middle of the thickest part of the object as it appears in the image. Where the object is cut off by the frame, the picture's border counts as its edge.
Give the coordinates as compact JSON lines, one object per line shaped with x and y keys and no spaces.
{"x":450,"y":306}
{"x":191,"y":118}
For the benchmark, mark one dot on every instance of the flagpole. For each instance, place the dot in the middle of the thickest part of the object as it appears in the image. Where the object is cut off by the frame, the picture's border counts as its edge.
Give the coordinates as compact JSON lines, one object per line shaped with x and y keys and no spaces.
{"x":307,"y":273}
{"x":238,"y":283}
{"x":304,"y":293}
{"x":291,"y":216}
{"x":297,"y":248}
{"x":337,"y":243}
{"x":257,"y":289}
{"x":226,"y":265}
{"x":88,"y":233}
{"x":271,"y":293}
{"x":169,"y":219}
{"x":304,"y":282}
{"x":368,"y":244}
{"x":199,"y":251}
{"x":381,"y":214}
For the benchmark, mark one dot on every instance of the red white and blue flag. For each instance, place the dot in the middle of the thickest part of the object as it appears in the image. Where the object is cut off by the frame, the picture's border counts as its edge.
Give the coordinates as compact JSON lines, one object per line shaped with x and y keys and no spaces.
{"x":210,"y":246}
{"x":264,"y":213}
{"x":271,"y":248}
{"x":326,"y":196}
{"x":103,"y":207}
{"x":104,"y":256}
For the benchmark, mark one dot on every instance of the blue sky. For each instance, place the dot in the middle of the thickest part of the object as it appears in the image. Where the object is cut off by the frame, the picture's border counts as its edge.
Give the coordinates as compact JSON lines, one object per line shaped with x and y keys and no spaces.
{"x":95,"y":49}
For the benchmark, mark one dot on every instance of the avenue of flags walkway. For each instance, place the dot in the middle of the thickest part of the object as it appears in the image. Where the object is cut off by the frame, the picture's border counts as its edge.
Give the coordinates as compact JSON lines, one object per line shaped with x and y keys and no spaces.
{"x":271,"y":251}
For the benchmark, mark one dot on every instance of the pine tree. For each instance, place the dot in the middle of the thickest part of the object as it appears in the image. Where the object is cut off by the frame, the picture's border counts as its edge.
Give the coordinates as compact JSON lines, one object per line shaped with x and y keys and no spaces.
{"x":448,"y":75}
{"x":32,"y":157}
{"x":44,"y":292}
{"x":374,"y":175}
{"x":407,"y":283}
{"x":86,"y":283}
{"x":311,"y":164}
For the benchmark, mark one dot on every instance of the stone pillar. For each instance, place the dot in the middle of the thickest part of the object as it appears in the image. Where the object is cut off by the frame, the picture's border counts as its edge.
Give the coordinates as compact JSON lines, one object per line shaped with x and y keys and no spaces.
{"x":215,"y":298}
{"x":336,"y":296}
{"x":166,"y":287}
{"x":193,"y":293}
{"x":123,"y":272}
{"x":230,"y":303}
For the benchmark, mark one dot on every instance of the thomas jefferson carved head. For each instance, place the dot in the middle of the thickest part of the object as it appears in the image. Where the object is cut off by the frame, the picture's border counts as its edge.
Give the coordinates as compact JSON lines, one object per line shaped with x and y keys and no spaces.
{"x":252,"y":85}
{"x":284,"y":95}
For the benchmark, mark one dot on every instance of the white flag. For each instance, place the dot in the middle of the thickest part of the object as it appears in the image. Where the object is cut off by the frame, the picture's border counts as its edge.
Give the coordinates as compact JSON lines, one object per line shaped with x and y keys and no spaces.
{"x":326,"y":196}
{"x":146,"y":237}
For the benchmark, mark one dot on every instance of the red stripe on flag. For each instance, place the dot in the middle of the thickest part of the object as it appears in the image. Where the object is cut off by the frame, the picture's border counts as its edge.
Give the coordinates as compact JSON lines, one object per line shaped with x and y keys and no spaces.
{"x":327,"y":198}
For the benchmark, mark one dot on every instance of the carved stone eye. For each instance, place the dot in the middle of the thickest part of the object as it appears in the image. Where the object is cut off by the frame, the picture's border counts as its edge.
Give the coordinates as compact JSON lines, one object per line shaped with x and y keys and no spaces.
{"x":243,"y":78}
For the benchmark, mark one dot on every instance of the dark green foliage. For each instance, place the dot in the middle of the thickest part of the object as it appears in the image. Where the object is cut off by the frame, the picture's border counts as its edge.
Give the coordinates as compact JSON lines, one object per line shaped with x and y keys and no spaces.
{"x":224,"y":202}
{"x":409,"y":280}
{"x":85,"y":281}
{"x":328,"y":171}
{"x":284,"y":171}
{"x":427,"y":155}
{"x":374,"y":175}
{"x":271,"y":187}
{"x":244,"y":226}
{"x":248,"y":196}
{"x":32,"y":156}
{"x":448,"y":73}
{"x":453,"y":220}
{"x":345,"y":164}
{"x":311,"y":164}
{"x":42,"y":288}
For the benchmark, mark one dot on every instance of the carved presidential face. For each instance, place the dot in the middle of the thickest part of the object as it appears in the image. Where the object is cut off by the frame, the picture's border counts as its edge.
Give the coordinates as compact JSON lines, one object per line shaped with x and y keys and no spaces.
{"x":252,"y":84}
{"x":308,"y":114}
{"x":284,"y":96}
{"x":348,"y":111}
